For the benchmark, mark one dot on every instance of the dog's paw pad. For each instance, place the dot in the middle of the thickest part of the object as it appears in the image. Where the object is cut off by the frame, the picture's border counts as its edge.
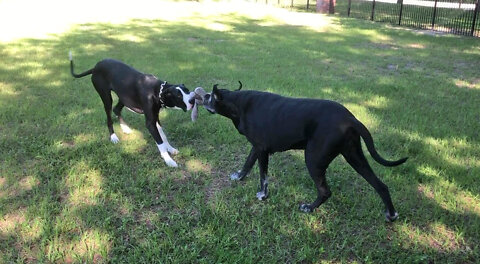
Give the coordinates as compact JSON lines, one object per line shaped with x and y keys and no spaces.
{"x":261,"y":196}
{"x":306,"y":208}
{"x":114,"y":138}
{"x":126,"y":129}
{"x":235,"y":176}
{"x":390,"y":218}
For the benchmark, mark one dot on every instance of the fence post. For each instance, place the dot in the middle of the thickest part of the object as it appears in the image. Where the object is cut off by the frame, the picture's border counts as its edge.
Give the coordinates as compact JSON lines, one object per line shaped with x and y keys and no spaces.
{"x":308,"y":4}
{"x":349,"y":5}
{"x":373,"y":10}
{"x":472,"y":32}
{"x":401,"y":11}
{"x":434,"y":14}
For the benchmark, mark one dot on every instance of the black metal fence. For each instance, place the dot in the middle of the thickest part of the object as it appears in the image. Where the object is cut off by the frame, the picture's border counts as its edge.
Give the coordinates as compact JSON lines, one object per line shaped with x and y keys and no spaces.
{"x":452,"y":16}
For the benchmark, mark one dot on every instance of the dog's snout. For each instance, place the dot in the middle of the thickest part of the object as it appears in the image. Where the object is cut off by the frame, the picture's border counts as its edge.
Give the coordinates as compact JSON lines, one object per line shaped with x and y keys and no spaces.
{"x":191,"y":101}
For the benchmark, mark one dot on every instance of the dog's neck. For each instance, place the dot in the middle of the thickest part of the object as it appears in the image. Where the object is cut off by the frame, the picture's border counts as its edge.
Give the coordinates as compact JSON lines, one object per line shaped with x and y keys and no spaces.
{"x":229,"y":107}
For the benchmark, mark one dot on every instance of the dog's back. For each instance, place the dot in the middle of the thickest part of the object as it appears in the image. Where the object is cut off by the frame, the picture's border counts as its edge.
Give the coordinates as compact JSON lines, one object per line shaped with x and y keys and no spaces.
{"x":280,"y":123}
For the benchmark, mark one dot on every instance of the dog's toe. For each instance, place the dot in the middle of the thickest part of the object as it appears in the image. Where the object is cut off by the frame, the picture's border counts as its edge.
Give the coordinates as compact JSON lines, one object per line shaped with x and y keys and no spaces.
{"x":114,"y":138}
{"x":306,"y":208}
{"x":391,"y":218}
{"x":261,"y":196}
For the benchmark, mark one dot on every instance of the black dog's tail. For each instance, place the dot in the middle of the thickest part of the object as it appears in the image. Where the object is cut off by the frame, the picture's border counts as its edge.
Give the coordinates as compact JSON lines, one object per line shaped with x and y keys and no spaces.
{"x":71,"y":68}
{"x":241,"y":85}
{"x":367,"y":137}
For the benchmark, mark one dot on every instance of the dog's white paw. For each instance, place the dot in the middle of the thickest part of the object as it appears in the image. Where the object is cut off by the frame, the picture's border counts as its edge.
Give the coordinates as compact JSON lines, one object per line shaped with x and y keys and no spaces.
{"x":172,"y":150}
{"x":126,"y":129}
{"x":306,"y":208}
{"x":390,"y":218}
{"x":235,"y":176}
{"x":114,"y":138}
{"x":261,"y":195}
{"x":171,"y":163}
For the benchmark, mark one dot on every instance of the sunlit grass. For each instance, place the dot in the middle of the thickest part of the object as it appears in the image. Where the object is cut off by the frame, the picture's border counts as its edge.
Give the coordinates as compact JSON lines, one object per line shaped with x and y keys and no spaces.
{"x":68,"y":195}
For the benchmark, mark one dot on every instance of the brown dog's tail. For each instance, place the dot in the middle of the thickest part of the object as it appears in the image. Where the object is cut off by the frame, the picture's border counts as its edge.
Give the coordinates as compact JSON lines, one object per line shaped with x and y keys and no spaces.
{"x":71,"y":68}
{"x":367,"y":137}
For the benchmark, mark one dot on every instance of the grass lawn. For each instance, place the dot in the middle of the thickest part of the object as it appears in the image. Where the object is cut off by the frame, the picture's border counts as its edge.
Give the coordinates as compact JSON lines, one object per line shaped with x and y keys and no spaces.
{"x":68,"y":195}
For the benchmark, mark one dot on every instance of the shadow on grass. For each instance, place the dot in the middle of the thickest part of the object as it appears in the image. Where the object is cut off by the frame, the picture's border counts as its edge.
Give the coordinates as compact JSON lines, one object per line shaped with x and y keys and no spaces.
{"x":68,"y":194}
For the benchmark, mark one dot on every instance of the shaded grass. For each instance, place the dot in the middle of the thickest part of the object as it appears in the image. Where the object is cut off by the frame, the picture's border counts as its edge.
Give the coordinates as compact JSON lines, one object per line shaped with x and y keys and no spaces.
{"x":68,"y":195}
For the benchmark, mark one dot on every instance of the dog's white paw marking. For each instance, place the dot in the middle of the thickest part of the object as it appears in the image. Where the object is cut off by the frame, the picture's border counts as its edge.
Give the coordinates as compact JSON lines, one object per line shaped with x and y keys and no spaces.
{"x":166,"y":157}
{"x":235,"y":176}
{"x":114,"y":138}
{"x":126,"y":129}
{"x":261,"y":196}
{"x":171,"y":163}
{"x":390,"y":218}
{"x":305,"y":208}
{"x":172,"y":150}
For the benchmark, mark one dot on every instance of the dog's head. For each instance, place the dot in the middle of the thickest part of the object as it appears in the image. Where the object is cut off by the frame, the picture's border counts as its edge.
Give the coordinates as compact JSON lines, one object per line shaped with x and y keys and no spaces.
{"x":215,"y":101}
{"x":177,"y":96}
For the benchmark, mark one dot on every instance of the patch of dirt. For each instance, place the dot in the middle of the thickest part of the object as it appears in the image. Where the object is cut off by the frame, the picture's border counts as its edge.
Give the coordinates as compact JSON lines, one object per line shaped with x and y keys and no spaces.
{"x":68,"y":144}
{"x":427,"y":193}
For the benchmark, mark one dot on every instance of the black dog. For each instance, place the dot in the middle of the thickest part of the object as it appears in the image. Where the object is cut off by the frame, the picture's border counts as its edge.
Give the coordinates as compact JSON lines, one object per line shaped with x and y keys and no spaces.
{"x":141,"y":93}
{"x":324,"y":129}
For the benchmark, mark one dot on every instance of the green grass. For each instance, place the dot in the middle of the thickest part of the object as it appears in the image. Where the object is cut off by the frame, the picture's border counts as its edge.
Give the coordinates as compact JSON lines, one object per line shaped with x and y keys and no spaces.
{"x":68,"y":195}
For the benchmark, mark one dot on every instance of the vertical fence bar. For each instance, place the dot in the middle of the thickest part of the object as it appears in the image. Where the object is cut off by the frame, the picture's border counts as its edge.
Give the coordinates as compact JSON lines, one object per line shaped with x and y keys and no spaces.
{"x":434,"y":14}
{"x":349,"y":6}
{"x":291,"y":5}
{"x":472,"y":31}
{"x":308,"y":4}
{"x":401,"y":11}
{"x":373,"y":10}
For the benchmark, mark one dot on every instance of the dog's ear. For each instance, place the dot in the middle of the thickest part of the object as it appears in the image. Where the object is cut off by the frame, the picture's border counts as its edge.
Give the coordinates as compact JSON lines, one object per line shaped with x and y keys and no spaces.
{"x":216,"y":93}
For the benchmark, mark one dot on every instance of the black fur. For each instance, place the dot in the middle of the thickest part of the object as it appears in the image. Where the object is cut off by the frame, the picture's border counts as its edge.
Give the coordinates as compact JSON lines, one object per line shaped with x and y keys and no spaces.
{"x":324,"y":129}
{"x":137,"y":91}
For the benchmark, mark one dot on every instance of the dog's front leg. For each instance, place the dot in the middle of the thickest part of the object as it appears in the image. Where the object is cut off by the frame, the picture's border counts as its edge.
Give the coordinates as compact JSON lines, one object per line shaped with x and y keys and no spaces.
{"x":251,"y":159}
{"x":263,"y":164}
{"x":162,"y":147}
{"x":170,"y":149}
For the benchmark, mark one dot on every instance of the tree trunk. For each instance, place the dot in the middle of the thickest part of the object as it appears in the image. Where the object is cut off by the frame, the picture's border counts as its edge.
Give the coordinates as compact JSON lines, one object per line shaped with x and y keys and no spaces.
{"x":326,"y":6}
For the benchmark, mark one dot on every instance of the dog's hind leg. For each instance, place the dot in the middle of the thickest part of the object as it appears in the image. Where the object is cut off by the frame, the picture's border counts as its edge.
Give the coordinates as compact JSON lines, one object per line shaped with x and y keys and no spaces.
{"x":317,"y":163}
{"x":251,"y":159}
{"x":118,"y":112}
{"x":263,"y":165}
{"x":104,"y":91}
{"x":354,"y":155}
